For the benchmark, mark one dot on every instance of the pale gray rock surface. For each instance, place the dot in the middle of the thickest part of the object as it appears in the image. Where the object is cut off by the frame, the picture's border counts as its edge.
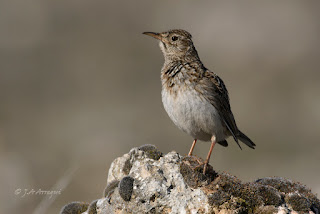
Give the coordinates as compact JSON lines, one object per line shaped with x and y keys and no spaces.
{"x":146,"y":181}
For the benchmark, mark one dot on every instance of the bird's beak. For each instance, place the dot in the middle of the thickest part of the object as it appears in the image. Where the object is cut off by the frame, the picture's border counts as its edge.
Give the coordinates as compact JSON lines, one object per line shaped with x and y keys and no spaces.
{"x":154,"y":35}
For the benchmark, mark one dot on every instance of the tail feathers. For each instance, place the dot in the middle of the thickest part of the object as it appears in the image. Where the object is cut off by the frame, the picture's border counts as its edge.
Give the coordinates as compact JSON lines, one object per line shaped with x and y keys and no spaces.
{"x":233,"y":135}
{"x":245,"y":140}
{"x":223,"y":143}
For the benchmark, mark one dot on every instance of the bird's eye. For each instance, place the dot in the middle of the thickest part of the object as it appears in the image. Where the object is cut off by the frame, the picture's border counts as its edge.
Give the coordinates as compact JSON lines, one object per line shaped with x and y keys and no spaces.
{"x":174,"y":38}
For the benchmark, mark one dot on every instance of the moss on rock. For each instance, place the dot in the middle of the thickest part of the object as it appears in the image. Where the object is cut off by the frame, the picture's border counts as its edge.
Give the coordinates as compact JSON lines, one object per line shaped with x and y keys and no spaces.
{"x":151,"y":151}
{"x":218,"y":198}
{"x":298,"y":202}
{"x":191,"y":168}
{"x":74,"y":208}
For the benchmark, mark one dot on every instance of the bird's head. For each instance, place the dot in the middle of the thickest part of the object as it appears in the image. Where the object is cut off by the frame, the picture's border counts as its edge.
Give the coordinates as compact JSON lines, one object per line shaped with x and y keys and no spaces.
{"x":175,"y":45}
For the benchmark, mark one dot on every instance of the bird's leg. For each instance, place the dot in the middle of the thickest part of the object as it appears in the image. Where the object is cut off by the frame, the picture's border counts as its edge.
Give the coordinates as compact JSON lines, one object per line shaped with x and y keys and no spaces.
{"x":192,"y":147}
{"x":213,"y":142}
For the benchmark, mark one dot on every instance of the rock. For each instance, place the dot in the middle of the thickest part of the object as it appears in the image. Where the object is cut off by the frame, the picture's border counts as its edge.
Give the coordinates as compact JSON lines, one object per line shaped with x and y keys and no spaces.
{"x":146,"y":181}
{"x":110,"y":188}
{"x":92,"y":209}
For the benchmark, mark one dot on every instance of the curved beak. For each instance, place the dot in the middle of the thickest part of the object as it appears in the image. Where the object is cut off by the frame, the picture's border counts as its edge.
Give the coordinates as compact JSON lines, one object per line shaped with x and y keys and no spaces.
{"x":154,"y":35}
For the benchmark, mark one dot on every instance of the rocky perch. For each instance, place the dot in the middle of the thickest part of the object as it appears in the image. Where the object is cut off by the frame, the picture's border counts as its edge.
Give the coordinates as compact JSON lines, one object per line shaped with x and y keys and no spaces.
{"x":146,"y":181}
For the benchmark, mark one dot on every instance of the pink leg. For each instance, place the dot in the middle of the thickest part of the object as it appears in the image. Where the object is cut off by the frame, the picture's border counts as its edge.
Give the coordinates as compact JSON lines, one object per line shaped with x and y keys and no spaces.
{"x":213,"y":142}
{"x":192,"y":147}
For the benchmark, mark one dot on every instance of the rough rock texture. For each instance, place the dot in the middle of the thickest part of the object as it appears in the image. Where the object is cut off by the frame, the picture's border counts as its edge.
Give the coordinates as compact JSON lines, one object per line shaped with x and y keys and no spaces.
{"x":146,"y":181}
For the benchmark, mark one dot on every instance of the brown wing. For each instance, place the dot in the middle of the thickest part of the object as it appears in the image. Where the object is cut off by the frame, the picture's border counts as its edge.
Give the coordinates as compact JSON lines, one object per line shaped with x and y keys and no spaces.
{"x":217,"y":94}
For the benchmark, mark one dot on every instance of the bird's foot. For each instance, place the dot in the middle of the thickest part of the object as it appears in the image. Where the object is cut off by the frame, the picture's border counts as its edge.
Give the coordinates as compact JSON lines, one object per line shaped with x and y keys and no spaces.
{"x":205,"y":167}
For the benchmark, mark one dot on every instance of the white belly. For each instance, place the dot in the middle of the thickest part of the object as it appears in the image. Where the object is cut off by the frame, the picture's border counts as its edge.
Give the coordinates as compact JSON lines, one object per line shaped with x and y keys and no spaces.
{"x":193,"y":114}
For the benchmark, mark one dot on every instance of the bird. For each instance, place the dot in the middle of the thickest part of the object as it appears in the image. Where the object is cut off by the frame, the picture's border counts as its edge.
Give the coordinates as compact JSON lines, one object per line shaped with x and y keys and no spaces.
{"x":195,"y":98}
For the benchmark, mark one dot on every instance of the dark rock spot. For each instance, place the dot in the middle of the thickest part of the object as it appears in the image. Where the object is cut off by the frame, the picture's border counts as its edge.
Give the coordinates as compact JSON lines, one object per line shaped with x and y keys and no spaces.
{"x":153,"y":198}
{"x":170,"y":188}
{"x":142,"y":201}
{"x":126,"y":188}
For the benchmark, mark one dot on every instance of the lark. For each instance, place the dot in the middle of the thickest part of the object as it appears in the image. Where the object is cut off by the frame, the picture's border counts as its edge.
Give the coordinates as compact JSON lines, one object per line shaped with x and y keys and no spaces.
{"x":195,"y":98}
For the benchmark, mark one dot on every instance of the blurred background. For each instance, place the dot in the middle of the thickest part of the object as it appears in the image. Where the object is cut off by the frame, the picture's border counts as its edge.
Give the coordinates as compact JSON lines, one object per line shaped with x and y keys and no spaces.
{"x":80,"y":86}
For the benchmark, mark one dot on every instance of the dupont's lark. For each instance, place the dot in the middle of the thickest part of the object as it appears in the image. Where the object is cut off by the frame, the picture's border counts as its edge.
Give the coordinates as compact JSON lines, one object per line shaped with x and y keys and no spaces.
{"x":194,"y":97}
